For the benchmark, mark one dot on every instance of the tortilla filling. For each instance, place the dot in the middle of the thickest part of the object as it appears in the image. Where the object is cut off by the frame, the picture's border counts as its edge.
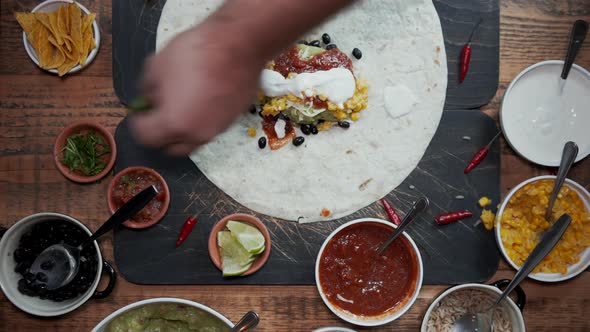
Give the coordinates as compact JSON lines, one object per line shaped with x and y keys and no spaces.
{"x":312,"y":86}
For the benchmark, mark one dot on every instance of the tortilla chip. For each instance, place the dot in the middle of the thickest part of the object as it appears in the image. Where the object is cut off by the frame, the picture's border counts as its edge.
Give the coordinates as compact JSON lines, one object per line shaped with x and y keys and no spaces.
{"x":88,"y":43}
{"x":43,"y":18}
{"x":68,"y":43}
{"x":54,"y":28}
{"x":60,"y":54}
{"x":65,"y":68}
{"x":44,"y":49}
{"x":30,"y":26}
{"x":87,"y":22}
{"x":76,"y":27}
{"x":62,"y":21}
{"x":26,"y":21}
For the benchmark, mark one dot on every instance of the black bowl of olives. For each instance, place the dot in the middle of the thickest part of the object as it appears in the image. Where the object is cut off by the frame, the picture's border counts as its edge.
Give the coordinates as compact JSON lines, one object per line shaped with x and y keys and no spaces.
{"x":25,"y":240}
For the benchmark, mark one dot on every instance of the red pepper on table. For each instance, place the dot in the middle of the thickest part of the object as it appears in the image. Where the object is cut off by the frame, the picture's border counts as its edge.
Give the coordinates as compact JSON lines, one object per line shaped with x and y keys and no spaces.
{"x":466,"y":55}
{"x":480,"y":155}
{"x":395,"y":219}
{"x":187,"y":227}
{"x":449,"y":217}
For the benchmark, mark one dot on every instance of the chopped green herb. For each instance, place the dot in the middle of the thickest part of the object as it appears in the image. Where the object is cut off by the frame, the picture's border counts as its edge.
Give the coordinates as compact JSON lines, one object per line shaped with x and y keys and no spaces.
{"x":125,"y":180}
{"x":82,"y":153}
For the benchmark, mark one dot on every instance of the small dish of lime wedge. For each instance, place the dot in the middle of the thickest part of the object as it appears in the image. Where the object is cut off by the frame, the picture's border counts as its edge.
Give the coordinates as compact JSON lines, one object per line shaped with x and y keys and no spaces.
{"x":239,"y":245}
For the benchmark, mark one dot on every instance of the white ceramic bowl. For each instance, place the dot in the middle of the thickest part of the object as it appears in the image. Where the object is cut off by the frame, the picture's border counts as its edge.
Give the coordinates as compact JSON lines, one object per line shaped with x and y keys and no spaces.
{"x":573,"y":270}
{"x":103,"y":324}
{"x":333,"y":329}
{"x":513,"y":310}
{"x":537,"y":120}
{"x":34,"y":305}
{"x":361,"y":320}
{"x":49,"y":6}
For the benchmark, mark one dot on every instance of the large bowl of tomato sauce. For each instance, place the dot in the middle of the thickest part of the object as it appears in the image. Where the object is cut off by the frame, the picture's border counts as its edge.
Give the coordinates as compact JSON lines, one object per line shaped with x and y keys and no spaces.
{"x":359,"y":285}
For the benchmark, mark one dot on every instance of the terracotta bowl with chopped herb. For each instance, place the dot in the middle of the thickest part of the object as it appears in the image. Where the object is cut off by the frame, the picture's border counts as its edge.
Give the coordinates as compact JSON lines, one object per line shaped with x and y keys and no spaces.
{"x":128,"y":183}
{"x":85,"y":152}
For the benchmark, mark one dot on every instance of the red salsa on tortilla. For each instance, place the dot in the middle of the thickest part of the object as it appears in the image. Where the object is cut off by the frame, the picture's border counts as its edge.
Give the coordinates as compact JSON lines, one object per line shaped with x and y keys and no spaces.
{"x":290,"y":62}
{"x":133,"y":182}
{"x":355,"y":279}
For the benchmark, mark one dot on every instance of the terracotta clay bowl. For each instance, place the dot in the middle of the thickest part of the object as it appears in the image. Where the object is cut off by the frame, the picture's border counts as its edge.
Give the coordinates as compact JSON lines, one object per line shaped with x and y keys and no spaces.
{"x":165,"y":204}
{"x":220,"y":225}
{"x":84,"y":127}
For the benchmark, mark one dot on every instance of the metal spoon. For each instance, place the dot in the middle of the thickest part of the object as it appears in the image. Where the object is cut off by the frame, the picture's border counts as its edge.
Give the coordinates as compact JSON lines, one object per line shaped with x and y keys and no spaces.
{"x":482,"y":322}
{"x":59,"y":263}
{"x":420,"y":205}
{"x":249,"y":321}
{"x":577,"y":36}
{"x":568,"y":157}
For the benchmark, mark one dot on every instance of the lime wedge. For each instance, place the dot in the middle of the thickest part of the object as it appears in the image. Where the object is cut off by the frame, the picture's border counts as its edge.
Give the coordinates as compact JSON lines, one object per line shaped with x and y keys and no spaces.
{"x":258,"y":251}
{"x":248,"y":236}
{"x":235,"y":259}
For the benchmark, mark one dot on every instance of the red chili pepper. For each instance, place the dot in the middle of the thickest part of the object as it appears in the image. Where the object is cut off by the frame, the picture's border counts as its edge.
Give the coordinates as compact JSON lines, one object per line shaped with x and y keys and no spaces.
{"x":466,"y":55}
{"x":187,"y":227}
{"x":449,"y":217}
{"x":393,"y":217}
{"x":480,"y":155}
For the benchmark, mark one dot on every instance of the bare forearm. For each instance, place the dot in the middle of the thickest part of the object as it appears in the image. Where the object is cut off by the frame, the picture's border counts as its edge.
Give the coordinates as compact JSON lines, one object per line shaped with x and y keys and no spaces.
{"x":263,"y":27}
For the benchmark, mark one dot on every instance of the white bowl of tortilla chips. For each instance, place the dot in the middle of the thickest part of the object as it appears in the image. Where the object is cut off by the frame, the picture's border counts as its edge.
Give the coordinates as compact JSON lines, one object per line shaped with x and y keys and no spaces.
{"x":61,"y":55}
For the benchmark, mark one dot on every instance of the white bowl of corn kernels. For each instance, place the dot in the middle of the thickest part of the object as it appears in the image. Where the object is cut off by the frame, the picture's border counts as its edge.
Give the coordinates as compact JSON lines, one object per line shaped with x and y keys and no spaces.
{"x":520,"y":222}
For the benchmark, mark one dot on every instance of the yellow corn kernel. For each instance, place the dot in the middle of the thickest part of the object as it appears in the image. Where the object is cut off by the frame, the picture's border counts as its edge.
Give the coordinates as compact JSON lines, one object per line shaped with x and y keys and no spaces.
{"x":251,"y":132}
{"x":355,"y":116}
{"x":484,"y":201}
{"x":341,"y":115}
{"x":324,"y":125}
{"x":523,"y":222}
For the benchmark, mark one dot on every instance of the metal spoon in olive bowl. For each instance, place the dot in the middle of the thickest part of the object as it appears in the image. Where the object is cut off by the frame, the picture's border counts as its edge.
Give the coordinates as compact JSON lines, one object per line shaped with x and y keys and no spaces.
{"x":60,"y":262}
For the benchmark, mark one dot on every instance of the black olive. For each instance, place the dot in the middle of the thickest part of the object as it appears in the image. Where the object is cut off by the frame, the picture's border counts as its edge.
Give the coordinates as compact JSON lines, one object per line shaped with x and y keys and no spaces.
{"x":331,"y":46}
{"x":29,"y":277}
{"x":41,"y":277}
{"x":47,"y":265}
{"x":22,"y":267}
{"x":19,"y":255}
{"x":357,"y":53}
{"x":315,"y":43}
{"x":252,"y":109}
{"x":314,"y":130}
{"x":298,"y":140}
{"x":326,"y":38}
{"x":262,"y":142}
{"x":22,"y":286}
{"x":305,"y":129}
{"x":344,"y":124}
{"x":321,"y":121}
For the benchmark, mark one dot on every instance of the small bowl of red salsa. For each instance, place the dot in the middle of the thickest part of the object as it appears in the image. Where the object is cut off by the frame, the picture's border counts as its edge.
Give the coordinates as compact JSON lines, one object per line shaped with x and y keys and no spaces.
{"x":362,"y":287}
{"x":128,"y":183}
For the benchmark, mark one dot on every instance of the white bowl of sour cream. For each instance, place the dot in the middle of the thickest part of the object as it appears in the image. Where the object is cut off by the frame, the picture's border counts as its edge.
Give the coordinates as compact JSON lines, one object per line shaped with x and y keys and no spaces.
{"x":537,"y":120}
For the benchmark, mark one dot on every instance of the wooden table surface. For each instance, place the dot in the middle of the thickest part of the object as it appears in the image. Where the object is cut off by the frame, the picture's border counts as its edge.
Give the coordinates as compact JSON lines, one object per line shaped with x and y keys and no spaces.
{"x":35,"y":106}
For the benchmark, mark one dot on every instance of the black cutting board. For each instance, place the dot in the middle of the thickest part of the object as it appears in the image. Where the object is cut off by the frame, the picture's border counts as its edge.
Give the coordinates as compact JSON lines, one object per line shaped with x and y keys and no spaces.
{"x":452,"y":254}
{"x":134,"y":38}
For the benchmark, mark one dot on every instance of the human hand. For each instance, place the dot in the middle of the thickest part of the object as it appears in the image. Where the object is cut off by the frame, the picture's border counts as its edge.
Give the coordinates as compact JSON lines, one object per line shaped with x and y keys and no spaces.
{"x":198,"y":84}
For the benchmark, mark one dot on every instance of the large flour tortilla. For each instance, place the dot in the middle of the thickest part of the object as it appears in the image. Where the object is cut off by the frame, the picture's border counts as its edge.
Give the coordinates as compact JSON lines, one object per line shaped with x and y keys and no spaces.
{"x":341,"y":170}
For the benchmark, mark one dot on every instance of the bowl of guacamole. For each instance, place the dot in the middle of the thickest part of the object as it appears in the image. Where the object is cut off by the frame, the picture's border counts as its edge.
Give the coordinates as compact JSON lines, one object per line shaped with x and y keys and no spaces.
{"x":164,"y":315}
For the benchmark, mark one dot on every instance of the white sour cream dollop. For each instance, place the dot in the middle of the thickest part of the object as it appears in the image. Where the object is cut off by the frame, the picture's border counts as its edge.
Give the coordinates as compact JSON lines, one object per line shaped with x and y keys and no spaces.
{"x":336,"y":84}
